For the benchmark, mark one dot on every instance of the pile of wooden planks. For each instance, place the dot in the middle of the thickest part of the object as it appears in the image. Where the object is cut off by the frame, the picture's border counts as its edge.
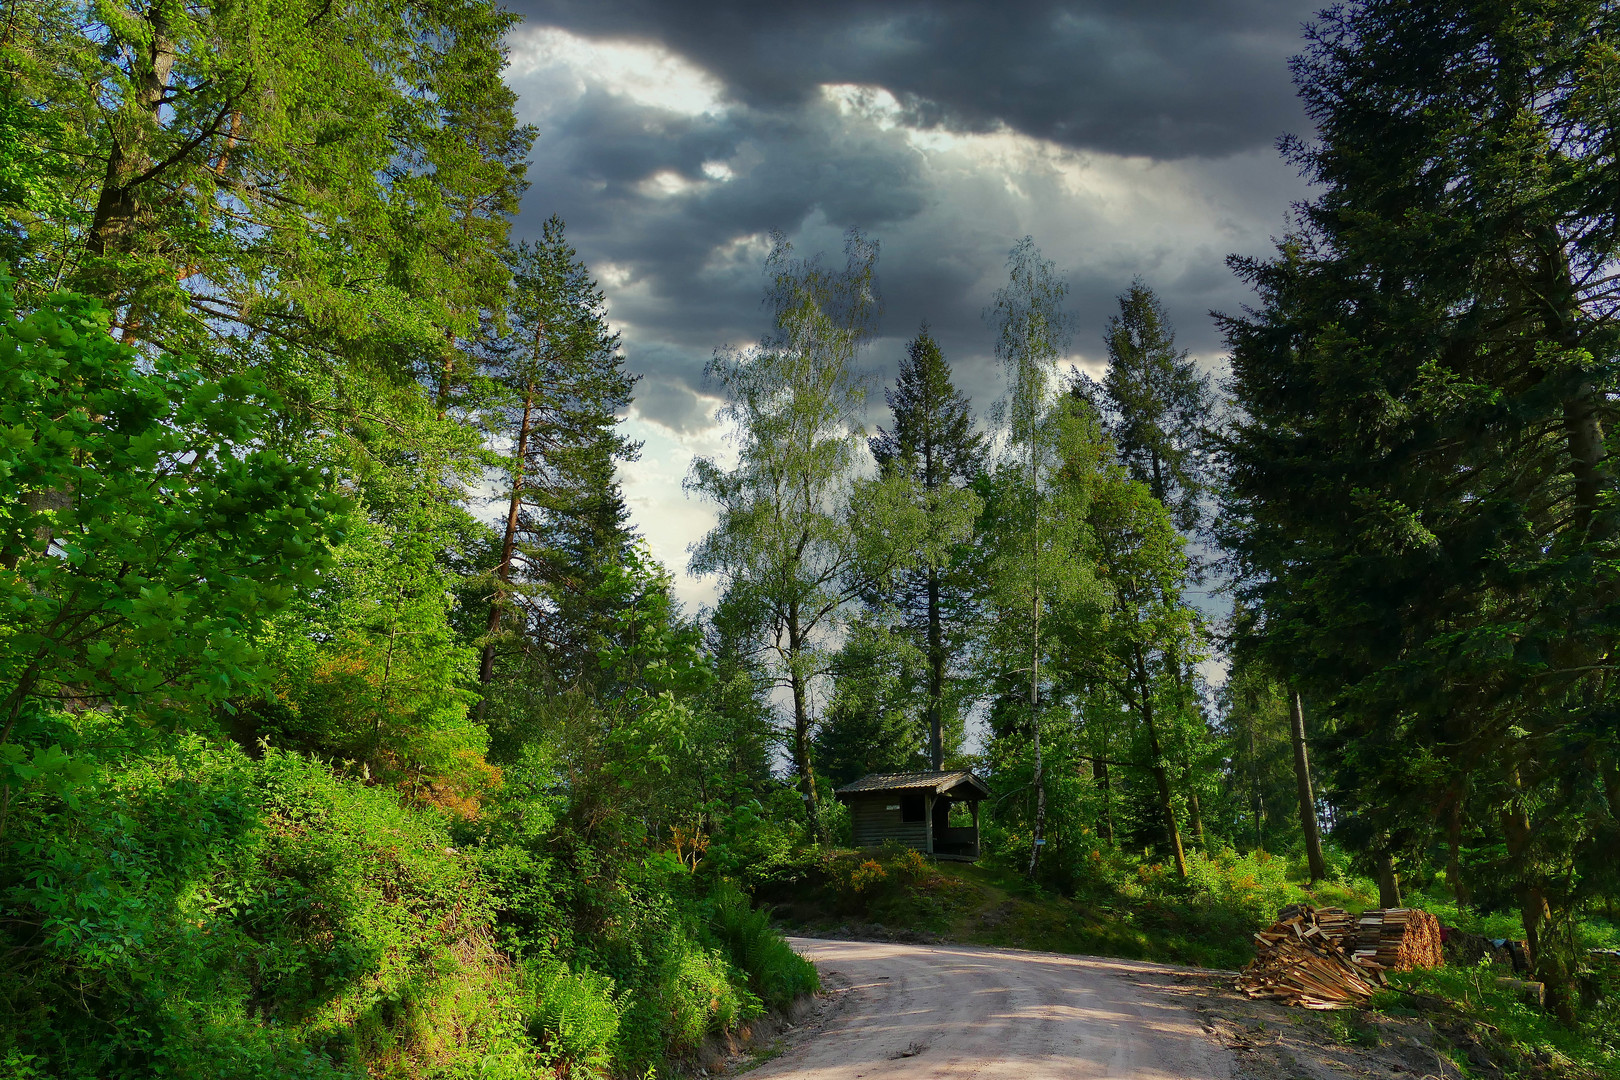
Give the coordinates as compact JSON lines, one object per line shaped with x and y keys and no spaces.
{"x":1301,"y":961}
{"x":1332,"y":921}
{"x":1396,"y":939}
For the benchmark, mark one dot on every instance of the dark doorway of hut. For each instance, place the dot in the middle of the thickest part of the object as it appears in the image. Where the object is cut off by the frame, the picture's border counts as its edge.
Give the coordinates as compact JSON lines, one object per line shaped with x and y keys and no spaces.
{"x":914,"y":809}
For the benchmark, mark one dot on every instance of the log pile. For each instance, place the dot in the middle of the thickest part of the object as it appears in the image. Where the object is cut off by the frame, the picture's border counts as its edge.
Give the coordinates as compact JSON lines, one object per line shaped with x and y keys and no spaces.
{"x":1396,"y":939}
{"x":1327,"y":958}
{"x":1332,"y":921}
{"x":1301,"y":961}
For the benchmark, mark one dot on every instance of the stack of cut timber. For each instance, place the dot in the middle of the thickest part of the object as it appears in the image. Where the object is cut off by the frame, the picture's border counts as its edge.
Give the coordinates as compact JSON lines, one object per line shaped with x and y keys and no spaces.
{"x":1299,"y":961}
{"x":1332,"y":921}
{"x":1396,"y":939}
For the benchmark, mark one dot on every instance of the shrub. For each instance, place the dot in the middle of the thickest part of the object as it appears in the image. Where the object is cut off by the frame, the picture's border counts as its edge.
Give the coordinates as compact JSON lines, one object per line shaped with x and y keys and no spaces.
{"x":867,"y":876}
{"x":686,"y":992}
{"x":193,"y":912}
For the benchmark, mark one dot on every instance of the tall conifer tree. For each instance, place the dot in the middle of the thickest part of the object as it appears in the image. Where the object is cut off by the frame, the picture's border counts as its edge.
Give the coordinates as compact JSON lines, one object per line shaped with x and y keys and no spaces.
{"x":1420,"y":498}
{"x":565,"y":385}
{"x":1156,"y":403}
{"x":932,"y":443}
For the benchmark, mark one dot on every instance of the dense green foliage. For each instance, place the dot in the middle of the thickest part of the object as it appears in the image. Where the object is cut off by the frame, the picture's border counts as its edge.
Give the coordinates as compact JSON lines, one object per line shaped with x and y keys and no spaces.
{"x":308,"y":769}
{"x":263,"y":811}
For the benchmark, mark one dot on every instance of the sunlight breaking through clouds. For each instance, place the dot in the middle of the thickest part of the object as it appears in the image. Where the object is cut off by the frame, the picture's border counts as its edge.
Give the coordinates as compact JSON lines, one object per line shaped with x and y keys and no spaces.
{"x":642,"y":73}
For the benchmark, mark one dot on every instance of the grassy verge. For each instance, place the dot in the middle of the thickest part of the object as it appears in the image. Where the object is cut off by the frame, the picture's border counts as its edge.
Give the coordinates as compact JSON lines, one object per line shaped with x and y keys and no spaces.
{"x":1496,"y":1032}
{"x":1130,"y":911}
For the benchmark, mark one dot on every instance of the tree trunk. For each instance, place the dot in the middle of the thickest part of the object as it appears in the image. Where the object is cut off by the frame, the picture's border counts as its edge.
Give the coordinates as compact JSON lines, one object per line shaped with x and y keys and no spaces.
{"x":1257,"y":801}
{"x":936,"y":675}
{"x":1099,"y":769}
{"x":1389,"y":885}
{"x":1038,"y":838}
{"x":1584,"y":432}
{"x":1161,"y":775}
{"x":801,"y":726}
{"x":1196,"y":815}
{"x":503,"y":572}
{"x":1307,"y":798}
{"x":1534,"y":911}
{"x":38,"y":502}
{"x":118,"y":209}
{"x":1546,"y":938}
{"x":1454,"y":874}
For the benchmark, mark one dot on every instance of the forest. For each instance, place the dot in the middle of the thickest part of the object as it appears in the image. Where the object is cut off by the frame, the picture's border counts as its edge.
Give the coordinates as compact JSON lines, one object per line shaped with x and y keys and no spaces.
{"x":312,"y":767}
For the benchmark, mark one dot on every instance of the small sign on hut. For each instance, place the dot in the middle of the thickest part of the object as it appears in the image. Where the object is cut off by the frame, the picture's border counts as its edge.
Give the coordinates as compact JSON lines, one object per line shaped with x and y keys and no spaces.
{"x":914,"y":809}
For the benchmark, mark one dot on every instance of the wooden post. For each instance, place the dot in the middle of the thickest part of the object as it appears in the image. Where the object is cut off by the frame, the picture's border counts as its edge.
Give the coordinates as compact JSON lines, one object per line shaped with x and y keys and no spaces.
{"x":975,"y":805}
{"x":928,"y":819}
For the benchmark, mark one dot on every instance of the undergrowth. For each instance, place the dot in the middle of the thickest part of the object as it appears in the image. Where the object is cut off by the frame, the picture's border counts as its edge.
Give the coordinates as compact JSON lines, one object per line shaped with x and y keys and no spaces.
{"x":1112,"y":904}
{"x":196,"y":912}
{"x":1520,"y":1039}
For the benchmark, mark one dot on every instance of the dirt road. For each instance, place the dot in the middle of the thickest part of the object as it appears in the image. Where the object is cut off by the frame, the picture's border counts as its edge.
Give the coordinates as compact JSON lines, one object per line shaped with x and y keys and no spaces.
{"x":954,"y":1012}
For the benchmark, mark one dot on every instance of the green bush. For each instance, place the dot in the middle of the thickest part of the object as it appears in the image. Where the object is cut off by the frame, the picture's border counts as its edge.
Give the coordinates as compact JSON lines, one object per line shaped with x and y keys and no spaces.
{"x":685,"y":993}
{"x":192,"y":912}
{"x":1523,"y":1040}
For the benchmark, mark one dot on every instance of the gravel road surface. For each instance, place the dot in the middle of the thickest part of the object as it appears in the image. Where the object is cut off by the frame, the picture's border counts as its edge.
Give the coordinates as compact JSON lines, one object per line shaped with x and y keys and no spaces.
{"x":909,"y":1012}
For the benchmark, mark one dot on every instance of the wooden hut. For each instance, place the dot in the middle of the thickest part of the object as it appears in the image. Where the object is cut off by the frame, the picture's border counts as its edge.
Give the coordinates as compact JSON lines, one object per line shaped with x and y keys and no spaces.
{"x":914,"y":809}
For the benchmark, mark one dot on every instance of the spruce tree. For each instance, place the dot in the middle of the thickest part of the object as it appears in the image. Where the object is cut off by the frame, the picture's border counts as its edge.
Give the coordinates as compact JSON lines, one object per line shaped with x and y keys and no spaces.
{"x":1420,"y":503}
{"x":933,"y":445}
{"x":1157,"y":403}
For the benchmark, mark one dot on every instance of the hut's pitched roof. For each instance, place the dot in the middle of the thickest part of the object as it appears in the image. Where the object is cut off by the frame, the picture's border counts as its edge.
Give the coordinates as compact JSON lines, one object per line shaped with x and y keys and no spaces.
{"x":937,"y":782}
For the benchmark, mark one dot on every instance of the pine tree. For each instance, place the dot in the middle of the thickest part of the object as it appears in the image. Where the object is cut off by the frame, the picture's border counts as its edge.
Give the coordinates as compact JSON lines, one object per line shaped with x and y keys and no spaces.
{"x":274,"y":169}
{"x":1420,"y":502}
{"x":565,"y":385}
{"x":934,"y":446}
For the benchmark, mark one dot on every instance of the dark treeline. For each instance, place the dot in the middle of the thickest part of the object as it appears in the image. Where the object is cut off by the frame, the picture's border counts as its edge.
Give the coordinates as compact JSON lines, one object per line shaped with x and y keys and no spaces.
{"x":315,"y":762}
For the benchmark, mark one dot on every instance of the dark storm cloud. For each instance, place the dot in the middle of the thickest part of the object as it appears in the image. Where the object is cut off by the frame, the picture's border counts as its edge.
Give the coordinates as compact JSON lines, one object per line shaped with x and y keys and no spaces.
{"x":1164,"y":78}
{"x":682,"y":299}
{"x":669,"y":203}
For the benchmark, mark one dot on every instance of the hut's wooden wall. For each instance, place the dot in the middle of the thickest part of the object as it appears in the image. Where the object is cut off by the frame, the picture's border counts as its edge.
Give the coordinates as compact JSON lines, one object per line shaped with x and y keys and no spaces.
{"x":873,"y":825}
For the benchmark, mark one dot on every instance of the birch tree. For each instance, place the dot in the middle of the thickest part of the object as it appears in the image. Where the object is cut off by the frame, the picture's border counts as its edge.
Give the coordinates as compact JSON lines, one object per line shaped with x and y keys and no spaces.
{"x":784,"y":538}
{"x":1032,"y":334}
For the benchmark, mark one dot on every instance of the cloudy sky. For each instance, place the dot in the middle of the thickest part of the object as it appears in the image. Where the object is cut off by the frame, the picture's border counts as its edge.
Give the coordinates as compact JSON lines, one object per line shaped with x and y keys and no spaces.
{"x":1129,"y":138}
